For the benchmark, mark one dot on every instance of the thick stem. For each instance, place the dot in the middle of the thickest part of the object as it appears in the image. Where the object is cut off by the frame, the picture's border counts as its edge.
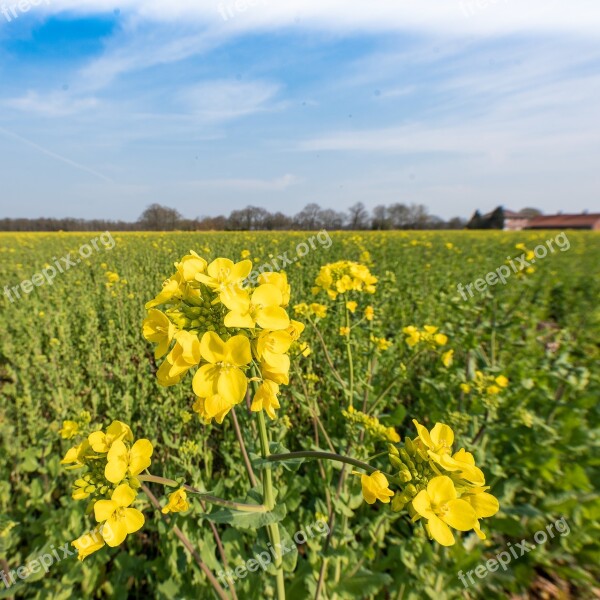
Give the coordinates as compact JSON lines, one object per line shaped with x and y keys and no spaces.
{"x":350,"y":361}
{"x":190,"y":548}
{"x":269,"y":501}
{"x":206,"y":497}
{"x":324,"y":455}
{"x":238,"y":433}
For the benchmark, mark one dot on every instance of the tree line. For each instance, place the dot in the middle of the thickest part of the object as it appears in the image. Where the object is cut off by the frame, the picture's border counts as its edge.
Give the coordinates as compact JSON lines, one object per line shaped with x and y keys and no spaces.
{"x":254,"y":218}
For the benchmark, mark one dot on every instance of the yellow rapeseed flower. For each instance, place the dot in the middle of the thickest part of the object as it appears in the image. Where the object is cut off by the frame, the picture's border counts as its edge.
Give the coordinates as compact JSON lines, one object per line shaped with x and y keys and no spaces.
{"x":442,"y":509}
{"x":117,"y":517}
{"x":223,"y":375}
{"x":177,"y":502}
{"x":375,"y":487}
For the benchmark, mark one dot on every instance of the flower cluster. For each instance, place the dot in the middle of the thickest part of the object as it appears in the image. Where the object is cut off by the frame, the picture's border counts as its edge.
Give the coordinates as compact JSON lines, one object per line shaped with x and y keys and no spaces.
{"x":444,"y":488}
{"x":229,"y":332}
{"x":112,"y":462}
{"x":371,"y":425}
{"x":485,"y":385}
{"x":529,"y":257}
{"x":307,"y":310}
{"x":344,"y":276}
{"x":428,"y":336}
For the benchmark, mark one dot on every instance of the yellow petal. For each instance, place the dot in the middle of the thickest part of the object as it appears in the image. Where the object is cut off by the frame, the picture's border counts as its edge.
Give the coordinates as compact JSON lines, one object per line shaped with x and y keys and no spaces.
{"x":205,"y":381}
{"x":139,"y":456}
{"x":219,"y":268}
{"x":441,"y":490}
{"x":118,"y":451}
{"x":123,"y":495}
{"x":103,"y":509}
{"x":440,"y":532}
{"x":267,"y":295}
{"x":114,"y":531}
{"x":97,"y":441}
{"x":236,"y":300}
{"x":133,"y":519}
{"x":88,"y":544}
{"x":368,"y":494}
{"x":212,"y":348}
{"x":241,"y":270}
{"x":422,"y":504}
{"x":232,"y":385}
{"x":273,"y":317}
{"x":115,"y":470}
{"x":423,"y":433}
{"x":442,"y":435}
{"x":485,"y":505}
{"x":216,"y":407}
{"x":460,"y":515}
{"x":237,"y":351}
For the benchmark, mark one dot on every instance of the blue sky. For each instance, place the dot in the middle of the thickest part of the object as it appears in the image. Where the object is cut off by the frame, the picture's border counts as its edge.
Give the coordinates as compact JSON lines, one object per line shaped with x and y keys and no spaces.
{"x":108,"y":107}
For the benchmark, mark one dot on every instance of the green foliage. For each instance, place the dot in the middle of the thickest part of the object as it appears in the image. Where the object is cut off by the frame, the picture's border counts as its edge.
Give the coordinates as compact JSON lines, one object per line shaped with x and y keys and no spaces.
{"x":76,"y":345}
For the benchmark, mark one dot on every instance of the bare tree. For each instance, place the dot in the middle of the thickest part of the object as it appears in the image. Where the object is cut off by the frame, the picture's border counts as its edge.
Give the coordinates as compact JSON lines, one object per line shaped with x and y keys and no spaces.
{"x":381,"y":219}
{"x":332,"y":219}
{"x":159,"y":218}
{"x":309,"y":217}
{"x":358,"y":217}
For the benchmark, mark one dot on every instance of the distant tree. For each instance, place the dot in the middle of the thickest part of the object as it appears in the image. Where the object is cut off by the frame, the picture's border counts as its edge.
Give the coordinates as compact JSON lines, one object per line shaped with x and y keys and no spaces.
{"x":332,"y":219}
{"x":496,"y":219}
{"x":309,"y":218}
{"x":476,"y":221}
{"x":278,"y":221}
{"x":456,"y":223}
{"x":358,"y":217}
{"x":381,"y":219}
{"x":530,"y":212}
{"x":418,"y":216}
{"x":399,"y":215}
{"x":159,"y":218}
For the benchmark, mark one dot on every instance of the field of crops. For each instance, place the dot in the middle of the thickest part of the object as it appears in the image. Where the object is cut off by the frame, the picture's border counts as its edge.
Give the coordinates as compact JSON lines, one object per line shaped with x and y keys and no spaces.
{"x":512,"y":372}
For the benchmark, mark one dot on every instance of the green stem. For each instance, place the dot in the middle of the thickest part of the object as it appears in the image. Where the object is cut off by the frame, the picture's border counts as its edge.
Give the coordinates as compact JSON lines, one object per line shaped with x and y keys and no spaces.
{"x":326,"y":456}
{"x":350,"y":362}
{"x":269,"y":500}
{"x":206,"y":497}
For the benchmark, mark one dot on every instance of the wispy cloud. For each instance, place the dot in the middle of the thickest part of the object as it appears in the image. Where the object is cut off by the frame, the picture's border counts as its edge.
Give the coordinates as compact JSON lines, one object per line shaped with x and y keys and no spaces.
{"x":225,"y":99}
{"x":256,"y":185}
{"x":55,"y":155}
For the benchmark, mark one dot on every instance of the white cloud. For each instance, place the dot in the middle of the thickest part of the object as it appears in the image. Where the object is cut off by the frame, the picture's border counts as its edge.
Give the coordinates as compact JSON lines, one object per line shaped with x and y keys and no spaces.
{"x":53,"y":104}
{"x":256,"y":185}
{"x":225,"y":99}
{"x":476,"y":17}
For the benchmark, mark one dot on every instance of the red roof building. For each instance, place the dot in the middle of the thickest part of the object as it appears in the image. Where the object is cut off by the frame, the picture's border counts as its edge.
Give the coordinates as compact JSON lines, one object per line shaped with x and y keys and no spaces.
{"x":582,"y":221}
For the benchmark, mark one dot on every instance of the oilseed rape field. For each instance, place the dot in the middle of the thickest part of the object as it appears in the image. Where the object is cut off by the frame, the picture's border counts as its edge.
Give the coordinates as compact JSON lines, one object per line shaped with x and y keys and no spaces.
{"x":249,"y":415}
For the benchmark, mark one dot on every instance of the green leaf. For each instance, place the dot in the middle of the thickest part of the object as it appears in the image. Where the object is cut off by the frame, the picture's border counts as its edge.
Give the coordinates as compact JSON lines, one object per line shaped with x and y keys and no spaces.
{"x":362,"y":584}
{"x":247,"y":520}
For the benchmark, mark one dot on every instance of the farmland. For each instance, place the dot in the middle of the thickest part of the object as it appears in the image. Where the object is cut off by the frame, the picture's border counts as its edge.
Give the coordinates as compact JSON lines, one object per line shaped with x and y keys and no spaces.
{"x":72,"y":349}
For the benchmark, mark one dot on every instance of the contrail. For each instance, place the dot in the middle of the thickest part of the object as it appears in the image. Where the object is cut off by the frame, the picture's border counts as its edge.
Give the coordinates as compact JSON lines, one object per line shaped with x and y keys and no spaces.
{"x":64,"y":159}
